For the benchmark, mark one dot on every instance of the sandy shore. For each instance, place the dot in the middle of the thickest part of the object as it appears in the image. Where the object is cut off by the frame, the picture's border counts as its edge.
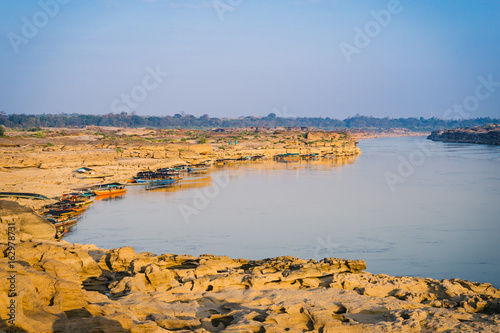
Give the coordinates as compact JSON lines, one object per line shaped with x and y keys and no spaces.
{"x":62,"y":287}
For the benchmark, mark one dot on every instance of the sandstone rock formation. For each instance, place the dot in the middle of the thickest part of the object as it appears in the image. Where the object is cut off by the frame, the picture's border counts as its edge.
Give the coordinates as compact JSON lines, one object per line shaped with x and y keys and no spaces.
{"x":487,"y":135}
{"x":65,"y":287}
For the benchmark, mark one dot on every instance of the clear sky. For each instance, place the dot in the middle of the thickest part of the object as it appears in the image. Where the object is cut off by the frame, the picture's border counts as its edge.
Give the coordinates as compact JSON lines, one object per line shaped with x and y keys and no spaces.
{"x":230,"y":58}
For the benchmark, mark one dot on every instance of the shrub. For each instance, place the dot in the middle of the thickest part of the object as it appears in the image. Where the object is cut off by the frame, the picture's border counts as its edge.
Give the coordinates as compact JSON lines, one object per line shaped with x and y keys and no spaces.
{"x":39,"y":134}
{"x":203,"y":140}
{"x":2,"y":131}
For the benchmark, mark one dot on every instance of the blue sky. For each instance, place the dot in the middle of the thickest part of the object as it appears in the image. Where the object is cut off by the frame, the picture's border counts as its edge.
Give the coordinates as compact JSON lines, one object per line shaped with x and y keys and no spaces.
{"x":230,"y":58}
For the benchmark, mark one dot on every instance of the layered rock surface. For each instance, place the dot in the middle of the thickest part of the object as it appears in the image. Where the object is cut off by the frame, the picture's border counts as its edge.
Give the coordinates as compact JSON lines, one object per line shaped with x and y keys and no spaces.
{"x":65,"y":287}
{"x":487,"y":135}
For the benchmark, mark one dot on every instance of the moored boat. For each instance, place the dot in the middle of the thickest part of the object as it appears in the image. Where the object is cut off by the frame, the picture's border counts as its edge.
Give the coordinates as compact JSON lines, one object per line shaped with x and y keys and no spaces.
{"x":198,"y":168}
{"x":289,"y":157}
{"x":63,"y":222}
{"x":111,"y":188}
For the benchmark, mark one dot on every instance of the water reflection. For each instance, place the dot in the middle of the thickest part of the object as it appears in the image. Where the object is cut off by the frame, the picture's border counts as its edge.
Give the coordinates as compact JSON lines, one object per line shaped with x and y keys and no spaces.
{"x":185,"y":184}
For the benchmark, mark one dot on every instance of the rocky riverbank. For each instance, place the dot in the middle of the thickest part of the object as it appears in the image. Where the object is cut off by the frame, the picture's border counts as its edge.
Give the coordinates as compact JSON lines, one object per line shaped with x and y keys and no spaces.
{"x":44,"y":162}
{"x":486,"y":135}
{"x":63,"y":287}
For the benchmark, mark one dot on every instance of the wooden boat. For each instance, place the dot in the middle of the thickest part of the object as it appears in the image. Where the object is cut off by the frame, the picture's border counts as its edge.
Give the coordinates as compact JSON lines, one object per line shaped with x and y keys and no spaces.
{"x":96,"y":176}
{"x":198,"y":168}
{"x":59,"y":208}
{"x":110,"y":191}
{"x":109,"y":197}
{"x":76,"y":201}
{"x":180,"y":167}
{"x":287,"y":157}
{"x":85,"y":170}
{"x":107,"y":189}
{"x":61,"y":213}
{"x":82,"y":193}
{"x":23,"y":195}
{"x":309,"y":156}
{"x":64,"y":222}
{"x":160,"y":174}
{"x":162,"y":181}
{"x":257,"y":157}
{"x":232,"y":162}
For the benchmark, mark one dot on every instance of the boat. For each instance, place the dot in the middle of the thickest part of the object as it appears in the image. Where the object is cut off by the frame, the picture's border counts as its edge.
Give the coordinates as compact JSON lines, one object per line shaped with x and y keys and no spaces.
{"x":23,"y":195}
{"x":257,"y":157}
{"x":197,"y":168}
{"x":61,"y":213}
{"x":64,"y":222}
{"x":145,"y":177}
{"x":162,"y":181}
{"x":194,"y":170}
{"x":81,"y":193}
{"x":309,"y":156}
{"x":289,"y":157}
{"x":65,"y":207}
{"x":74,"y":200}
{"x":107,"y":189}
{"x":110,"y":197}
{"x":85,"y":170}
{"x":96,"y":176}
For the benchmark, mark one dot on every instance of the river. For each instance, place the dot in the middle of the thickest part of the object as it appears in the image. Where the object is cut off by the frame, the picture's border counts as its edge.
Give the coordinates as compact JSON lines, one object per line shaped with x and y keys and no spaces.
{"x":407,"y":206}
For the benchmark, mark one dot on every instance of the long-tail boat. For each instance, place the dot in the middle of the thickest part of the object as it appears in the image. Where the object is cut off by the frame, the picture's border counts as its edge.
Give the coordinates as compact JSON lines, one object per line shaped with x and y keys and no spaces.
{"x":287,"y":157}
{"x":23,"y":195}
{"x":257,"y":157}
{"x":63,"y":222}
{"x":197,"y":168}
{"x":61,"y":213}
{"x":111,"y":188}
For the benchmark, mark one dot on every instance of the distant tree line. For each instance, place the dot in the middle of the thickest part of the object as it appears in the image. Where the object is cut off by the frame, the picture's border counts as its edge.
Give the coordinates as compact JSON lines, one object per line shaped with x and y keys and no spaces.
{"x":27,"y":121}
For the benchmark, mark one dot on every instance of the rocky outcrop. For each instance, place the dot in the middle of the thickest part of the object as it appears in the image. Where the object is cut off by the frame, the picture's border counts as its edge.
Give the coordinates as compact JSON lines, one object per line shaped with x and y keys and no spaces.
{"x":486,"y":135}
{"x":65,"y":287}
{"x":62,"y":287}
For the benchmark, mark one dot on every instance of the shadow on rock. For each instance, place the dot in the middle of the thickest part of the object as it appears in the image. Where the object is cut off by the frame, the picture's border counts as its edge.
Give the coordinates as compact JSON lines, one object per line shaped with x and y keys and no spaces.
{"x":81,"y":321}
{"x":9,"y":328}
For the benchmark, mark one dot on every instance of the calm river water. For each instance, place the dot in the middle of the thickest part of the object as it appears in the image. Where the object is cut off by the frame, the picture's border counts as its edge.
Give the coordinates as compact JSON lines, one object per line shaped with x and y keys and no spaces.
{"x":407,"y":206}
